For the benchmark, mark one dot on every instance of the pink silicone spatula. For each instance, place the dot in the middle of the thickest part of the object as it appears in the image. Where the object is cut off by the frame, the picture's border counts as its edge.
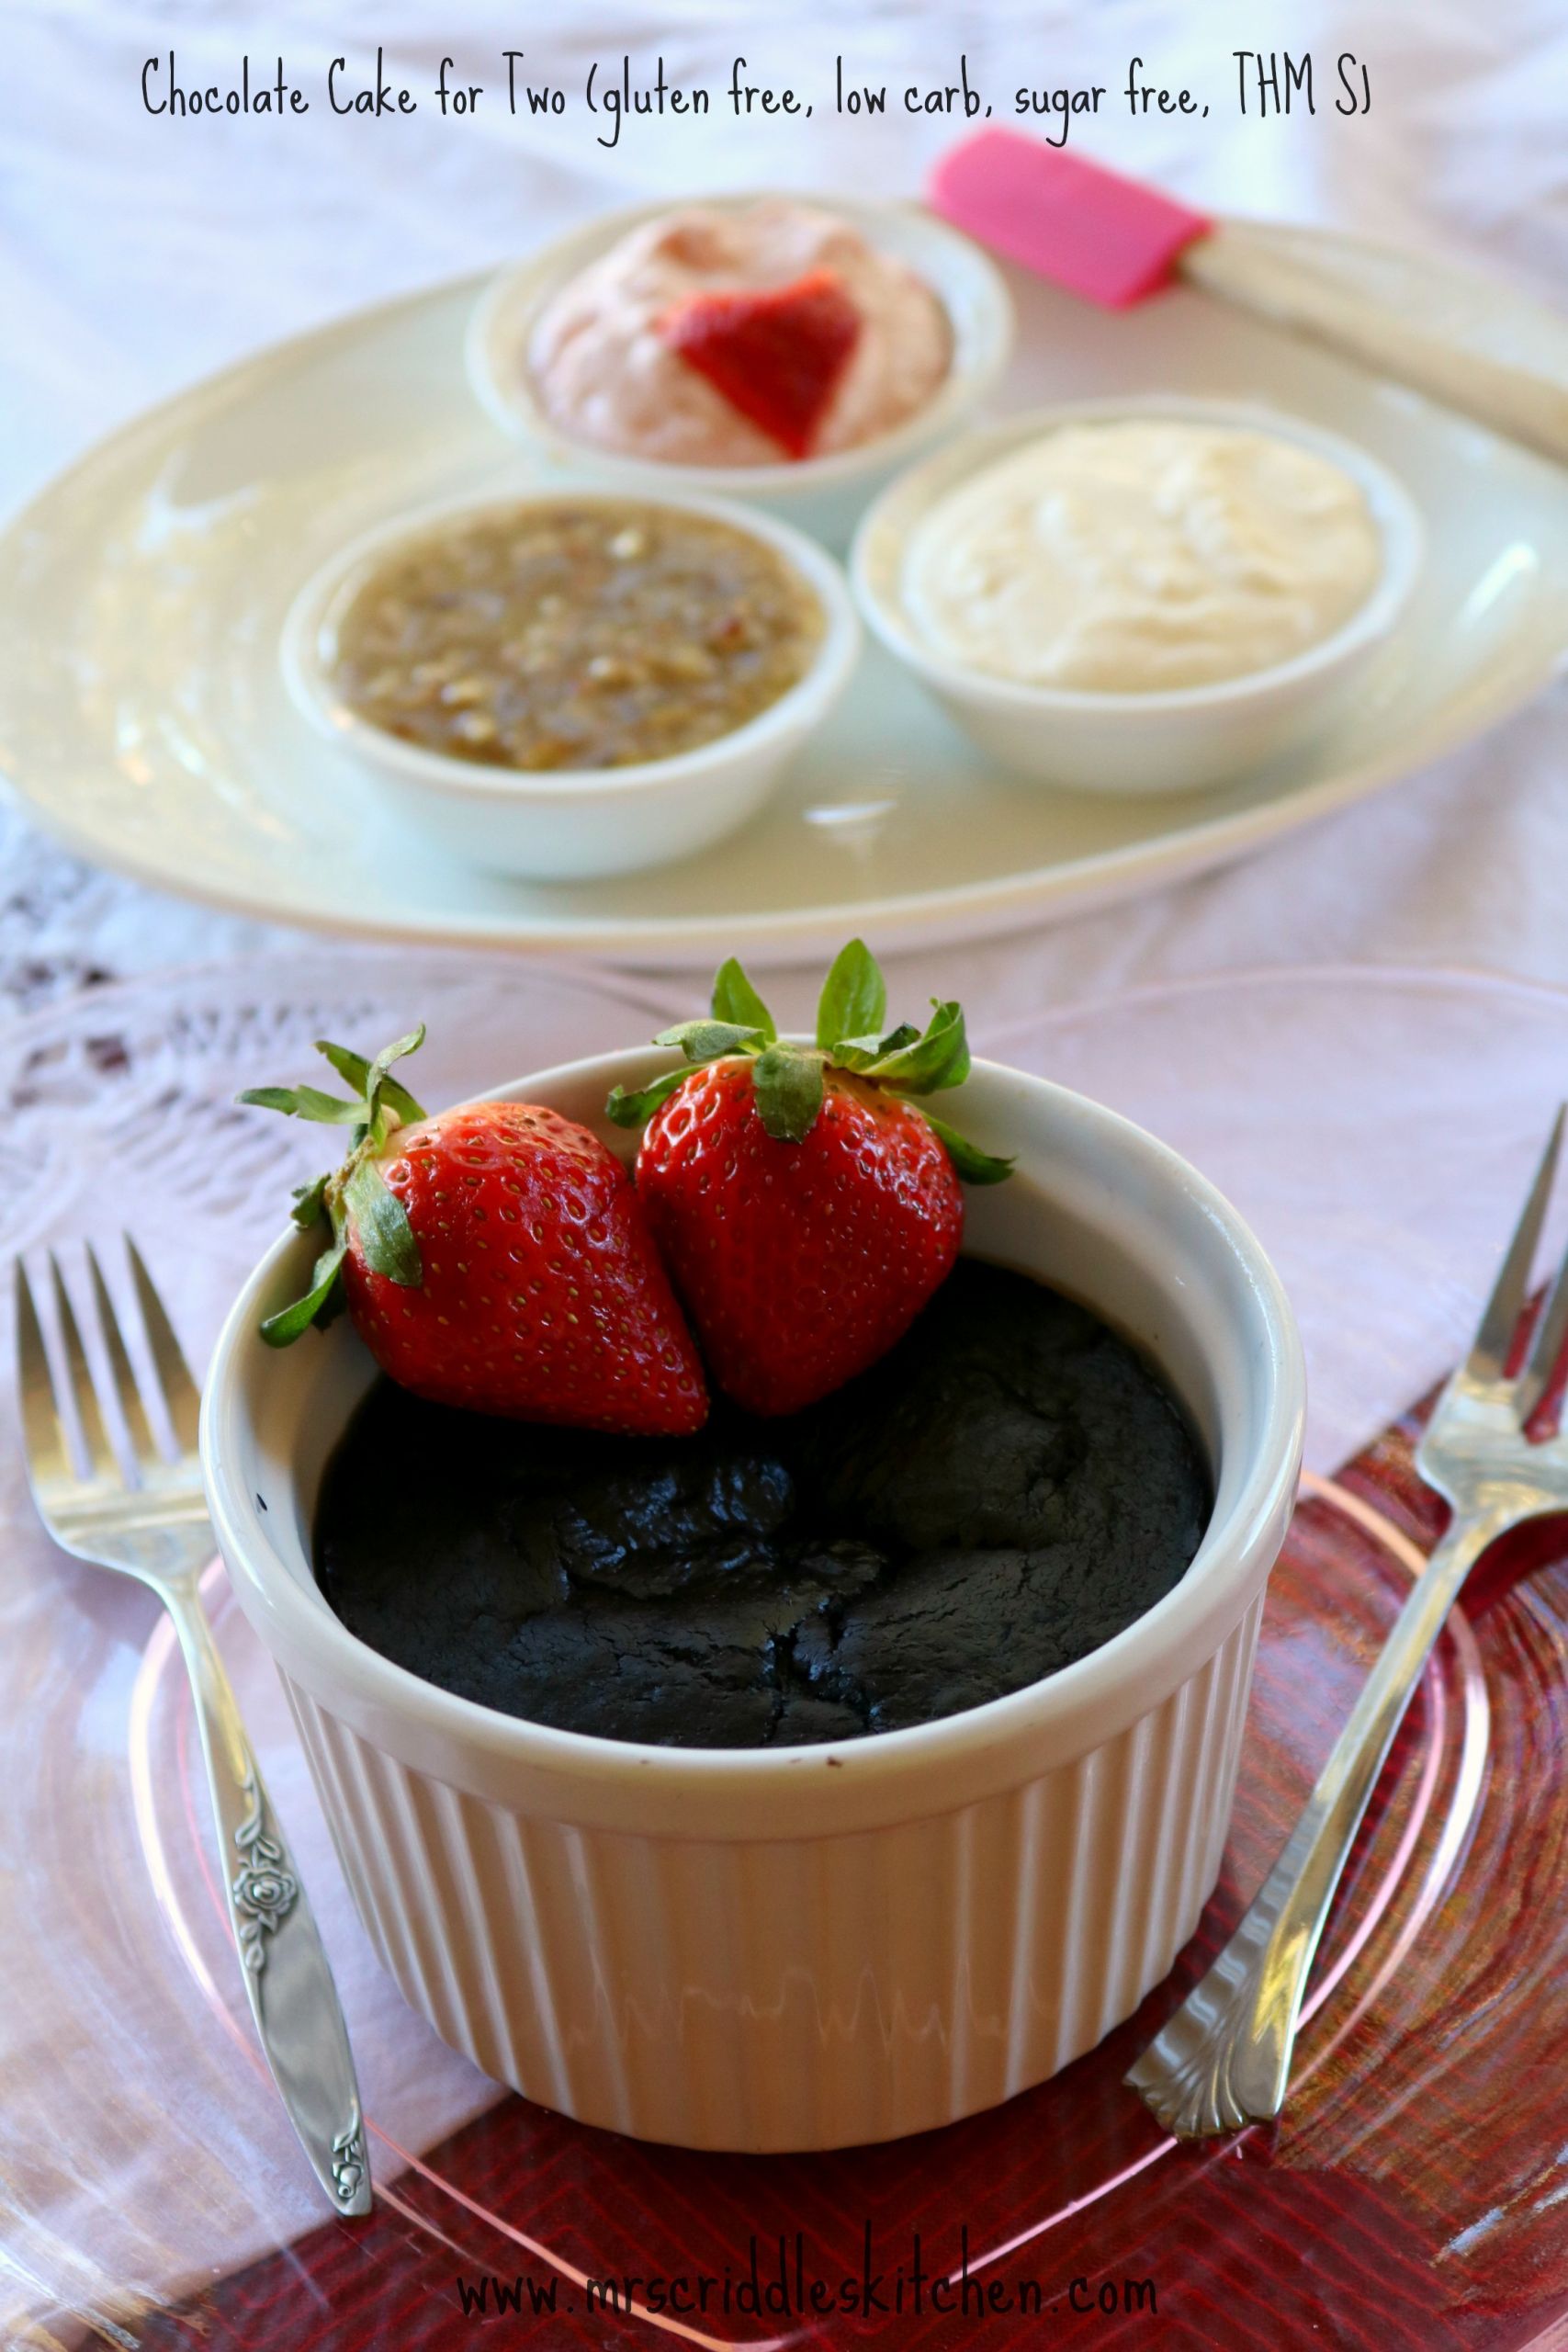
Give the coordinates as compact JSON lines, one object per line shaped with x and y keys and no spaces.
{"x":1488,"y":351}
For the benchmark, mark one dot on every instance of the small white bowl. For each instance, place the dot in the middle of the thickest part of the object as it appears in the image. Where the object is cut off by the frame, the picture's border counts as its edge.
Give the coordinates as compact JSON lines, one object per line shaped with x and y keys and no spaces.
{"x":824,"y":495}
{"x":565,"y":825}
{"x":1171,"y":742}
{"x":807,"y":1947}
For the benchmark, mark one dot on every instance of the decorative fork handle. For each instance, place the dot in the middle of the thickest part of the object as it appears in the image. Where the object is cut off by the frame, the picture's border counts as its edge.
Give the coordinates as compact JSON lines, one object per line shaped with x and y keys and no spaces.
{"x":288,"y":1976}
{"x":1224,"y":2058}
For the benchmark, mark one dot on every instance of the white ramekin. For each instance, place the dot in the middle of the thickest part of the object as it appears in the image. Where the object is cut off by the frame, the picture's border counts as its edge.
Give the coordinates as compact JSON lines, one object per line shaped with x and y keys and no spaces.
{"x":569,"y":824}
{"x":824,"y":495}
{"x":1174,"y":741}
{"x":803,"y":1949}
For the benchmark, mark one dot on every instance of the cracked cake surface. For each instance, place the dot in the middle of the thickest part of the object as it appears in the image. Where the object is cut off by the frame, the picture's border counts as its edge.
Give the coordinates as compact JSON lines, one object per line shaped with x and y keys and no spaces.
{"x":1004,"y":1492}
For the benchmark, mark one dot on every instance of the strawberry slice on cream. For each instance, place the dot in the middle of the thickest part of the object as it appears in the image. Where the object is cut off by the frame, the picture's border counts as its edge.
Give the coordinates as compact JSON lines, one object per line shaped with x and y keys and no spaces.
{"x":776,"y":353}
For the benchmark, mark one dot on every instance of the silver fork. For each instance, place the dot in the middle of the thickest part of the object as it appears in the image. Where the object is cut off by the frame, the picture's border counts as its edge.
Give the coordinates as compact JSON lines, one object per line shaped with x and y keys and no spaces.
{"x":1224,"y":2058}
{"x":153,"y":1525}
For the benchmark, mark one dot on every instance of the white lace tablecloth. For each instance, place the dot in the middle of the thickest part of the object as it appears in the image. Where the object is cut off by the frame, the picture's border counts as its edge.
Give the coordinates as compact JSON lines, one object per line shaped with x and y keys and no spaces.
{"x":138,"y":253}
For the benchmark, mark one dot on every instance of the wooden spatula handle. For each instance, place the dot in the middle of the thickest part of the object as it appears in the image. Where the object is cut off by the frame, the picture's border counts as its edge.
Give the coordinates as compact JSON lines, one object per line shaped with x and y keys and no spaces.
{"x":1485,"y":350}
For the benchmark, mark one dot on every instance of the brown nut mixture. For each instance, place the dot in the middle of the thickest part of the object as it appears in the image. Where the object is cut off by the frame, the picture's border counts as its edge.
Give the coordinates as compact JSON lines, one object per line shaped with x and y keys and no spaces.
{"x":574,"y":635}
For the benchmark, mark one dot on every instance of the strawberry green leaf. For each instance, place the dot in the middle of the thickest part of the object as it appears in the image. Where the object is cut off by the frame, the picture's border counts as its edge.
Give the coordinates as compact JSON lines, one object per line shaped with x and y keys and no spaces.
{"x":709,"y":1041}
{"x":860,"y":1053}
{"x":271,"y":1098}
{"x":381,"y":1226}
{"x":631,"y":1109}
{"x":334,"y":1304}
{"x":734,"y":998}
{"x":355,"y":1070}
{"x":310,"y":1203}
{"x":358,"y":1189}
{"x":976,"y":1167}
{"x":789,"y":1092}
{"x":376,"y":1081}
{"x":305,"y":1102}
{"x":352,"y":1067}
{"x":854,"y":996}
{"x":395,"y":1051}
{"x":281,"y":1330}
{"x":939,"y":1059}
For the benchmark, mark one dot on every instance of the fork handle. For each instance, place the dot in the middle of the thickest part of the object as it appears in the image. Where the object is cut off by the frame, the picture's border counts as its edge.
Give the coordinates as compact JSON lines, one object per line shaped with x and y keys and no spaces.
{"x":288,"y":1977}
{"x":1224,"y":2058}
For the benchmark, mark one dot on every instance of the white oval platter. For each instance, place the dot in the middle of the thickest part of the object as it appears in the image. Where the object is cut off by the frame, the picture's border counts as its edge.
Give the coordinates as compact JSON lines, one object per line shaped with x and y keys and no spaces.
{"x":143,"y":719}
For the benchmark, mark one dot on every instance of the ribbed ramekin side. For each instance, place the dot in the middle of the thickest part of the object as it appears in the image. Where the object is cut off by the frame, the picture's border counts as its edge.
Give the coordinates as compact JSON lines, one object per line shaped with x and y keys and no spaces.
{"x":1223,"y":1752}
{"x":775,"y":1993}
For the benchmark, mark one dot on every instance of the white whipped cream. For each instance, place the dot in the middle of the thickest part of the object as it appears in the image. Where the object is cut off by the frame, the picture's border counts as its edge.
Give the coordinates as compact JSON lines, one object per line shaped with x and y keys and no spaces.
{"x":606,"y":375}
{"x":1143,"y":555}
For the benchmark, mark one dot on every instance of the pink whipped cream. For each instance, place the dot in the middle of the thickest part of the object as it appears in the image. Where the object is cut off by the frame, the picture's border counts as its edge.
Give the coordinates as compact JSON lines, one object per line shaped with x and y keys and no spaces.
{"x":604,"y":375}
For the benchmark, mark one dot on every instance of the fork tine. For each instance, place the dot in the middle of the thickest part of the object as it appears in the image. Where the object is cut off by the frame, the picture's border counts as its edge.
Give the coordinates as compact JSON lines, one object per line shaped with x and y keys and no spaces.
{"x":48,"y":1444}
{"x":1545,"y":1348}
{"x":180,"y":1392}
{"x":1490,"y":1352}
{"x":101,"y":1459}
{"x":143,"y":1444}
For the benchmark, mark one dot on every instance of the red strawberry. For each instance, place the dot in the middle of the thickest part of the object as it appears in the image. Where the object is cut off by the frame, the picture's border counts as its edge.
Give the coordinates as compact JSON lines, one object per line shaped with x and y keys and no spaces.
{"x":806,"y":1208}
{"x":775,"y":353}
{"x":495,"y":1257}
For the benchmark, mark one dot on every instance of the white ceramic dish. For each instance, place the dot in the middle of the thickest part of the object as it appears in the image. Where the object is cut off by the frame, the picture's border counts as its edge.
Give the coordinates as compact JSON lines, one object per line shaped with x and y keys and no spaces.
{"x":808,"y":1948}
{"x":1175,"y":741}
{"x":574,"y":824}
{"x":823,"y":494}
{"x":143,"y":719}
